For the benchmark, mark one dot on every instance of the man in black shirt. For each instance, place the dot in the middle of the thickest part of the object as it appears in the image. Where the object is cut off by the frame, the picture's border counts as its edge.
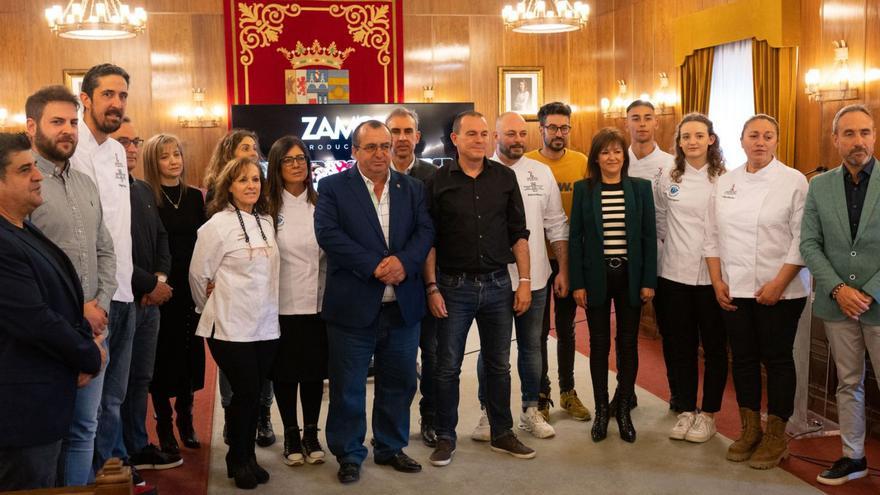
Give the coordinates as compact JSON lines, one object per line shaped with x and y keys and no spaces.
{"x":152,"y":262}
{"x":480,"y":228}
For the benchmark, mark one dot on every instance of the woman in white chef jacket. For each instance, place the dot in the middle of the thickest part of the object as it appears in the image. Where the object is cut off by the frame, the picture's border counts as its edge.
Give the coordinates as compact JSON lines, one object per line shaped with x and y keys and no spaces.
{"x":755,"y":265}
{"x":684,"y":291}
{"x":301,"y":362}
{"x":237,"y":256}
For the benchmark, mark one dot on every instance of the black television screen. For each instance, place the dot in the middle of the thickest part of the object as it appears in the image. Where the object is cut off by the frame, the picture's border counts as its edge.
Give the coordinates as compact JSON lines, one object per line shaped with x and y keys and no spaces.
{"x":326,"y":129}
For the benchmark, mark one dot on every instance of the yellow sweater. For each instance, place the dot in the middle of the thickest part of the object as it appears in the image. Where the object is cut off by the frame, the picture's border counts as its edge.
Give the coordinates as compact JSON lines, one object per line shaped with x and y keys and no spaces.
{"x":567,"y":170}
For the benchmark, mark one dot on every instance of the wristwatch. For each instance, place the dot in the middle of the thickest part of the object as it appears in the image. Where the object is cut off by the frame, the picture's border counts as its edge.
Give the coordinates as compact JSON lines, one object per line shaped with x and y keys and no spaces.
{"x":163,"y":278}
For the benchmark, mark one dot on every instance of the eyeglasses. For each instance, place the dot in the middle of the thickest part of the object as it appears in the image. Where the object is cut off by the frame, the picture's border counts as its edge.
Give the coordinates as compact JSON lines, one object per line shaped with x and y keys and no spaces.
{"x":290,"y":161}
{"x":553,"y":129}
{"x":125,"y":142}
{"x":372,"y":148}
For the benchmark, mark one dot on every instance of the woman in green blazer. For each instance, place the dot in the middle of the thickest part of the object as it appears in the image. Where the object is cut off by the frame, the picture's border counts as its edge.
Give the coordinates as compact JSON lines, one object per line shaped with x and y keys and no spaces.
{"x":613,"y":257}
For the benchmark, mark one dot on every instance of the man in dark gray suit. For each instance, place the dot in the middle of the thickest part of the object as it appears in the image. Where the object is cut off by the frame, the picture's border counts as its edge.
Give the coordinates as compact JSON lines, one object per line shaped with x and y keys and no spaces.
{"x":405,"y":136}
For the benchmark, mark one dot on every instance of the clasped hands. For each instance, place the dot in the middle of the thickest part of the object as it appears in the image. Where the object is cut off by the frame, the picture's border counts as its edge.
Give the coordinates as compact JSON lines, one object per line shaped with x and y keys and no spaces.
{"x":390,"y":271}
{"x":853,"y":302}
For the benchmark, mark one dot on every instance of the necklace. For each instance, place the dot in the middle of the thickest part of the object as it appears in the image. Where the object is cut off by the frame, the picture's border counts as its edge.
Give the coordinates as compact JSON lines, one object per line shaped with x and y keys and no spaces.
{"x":179,"y":197}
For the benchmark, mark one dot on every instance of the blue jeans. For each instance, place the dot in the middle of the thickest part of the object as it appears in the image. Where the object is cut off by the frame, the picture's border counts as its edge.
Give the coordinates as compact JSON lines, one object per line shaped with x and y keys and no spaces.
{"x":78,"y":449}
{"x":143,"y":357}
{"x":488,"y":299}
{"x":394,"y":346}
{"x":108,"y":439}
{"x":528,"y":348}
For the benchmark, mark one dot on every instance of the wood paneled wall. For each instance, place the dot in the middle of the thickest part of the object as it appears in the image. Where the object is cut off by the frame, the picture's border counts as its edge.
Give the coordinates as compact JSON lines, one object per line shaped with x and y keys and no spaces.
{"x":182,"y":49}
{"x":454,"y":45}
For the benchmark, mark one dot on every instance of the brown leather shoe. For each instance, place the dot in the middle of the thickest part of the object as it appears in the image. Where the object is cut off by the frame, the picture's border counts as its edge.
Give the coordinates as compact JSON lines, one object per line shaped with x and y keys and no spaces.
{"x":773,"y":447}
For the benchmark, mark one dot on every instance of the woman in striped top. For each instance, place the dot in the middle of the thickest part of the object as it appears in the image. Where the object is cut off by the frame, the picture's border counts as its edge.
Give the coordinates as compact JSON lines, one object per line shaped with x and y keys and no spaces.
{"x":613,"y":257}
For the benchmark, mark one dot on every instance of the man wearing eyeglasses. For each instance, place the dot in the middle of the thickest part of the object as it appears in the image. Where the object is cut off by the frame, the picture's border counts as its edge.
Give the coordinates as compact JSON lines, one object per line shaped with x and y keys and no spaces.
{"x":568,"y":166}
{"x":374,"y":227}
{"x":151,"y":258}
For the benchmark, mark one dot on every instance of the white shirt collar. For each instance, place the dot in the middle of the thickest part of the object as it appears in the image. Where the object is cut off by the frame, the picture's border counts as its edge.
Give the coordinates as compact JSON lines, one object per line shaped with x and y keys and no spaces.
{"x":369,"y":182}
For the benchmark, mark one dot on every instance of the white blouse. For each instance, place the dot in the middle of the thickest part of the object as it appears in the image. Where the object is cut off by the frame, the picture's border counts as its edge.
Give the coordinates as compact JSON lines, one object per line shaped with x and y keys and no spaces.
{"x":754,"y":226}
{"x":303,"y":263}
{"x":681,"y":224}
{"x":244,"y":304}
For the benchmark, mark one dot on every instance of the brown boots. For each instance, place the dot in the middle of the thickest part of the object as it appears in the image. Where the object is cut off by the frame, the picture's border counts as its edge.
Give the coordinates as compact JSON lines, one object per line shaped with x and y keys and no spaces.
{"x":773,"y":447}
{"x":742,"y":449}
{"x":763,"y":450}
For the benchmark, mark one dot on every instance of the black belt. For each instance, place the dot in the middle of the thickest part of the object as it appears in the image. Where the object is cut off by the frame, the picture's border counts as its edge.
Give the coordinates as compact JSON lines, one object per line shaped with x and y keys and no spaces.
{"x":476,"y":277}
{"x":615,"y":262}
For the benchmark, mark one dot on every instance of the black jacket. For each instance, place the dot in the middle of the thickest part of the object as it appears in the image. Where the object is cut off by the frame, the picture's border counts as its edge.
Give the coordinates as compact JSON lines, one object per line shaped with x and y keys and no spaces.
{"x":149,"y":241}
{"x":44,"y":340}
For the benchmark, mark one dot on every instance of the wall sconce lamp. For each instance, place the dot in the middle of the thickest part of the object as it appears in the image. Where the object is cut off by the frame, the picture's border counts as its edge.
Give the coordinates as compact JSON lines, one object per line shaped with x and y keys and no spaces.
{"x":428,"y":93}
{"x":821,"y":87}
{"x":615,"y":109}
{"x":196,"y":116}
{"x":12,"y":123}
{"x":663,"y":100}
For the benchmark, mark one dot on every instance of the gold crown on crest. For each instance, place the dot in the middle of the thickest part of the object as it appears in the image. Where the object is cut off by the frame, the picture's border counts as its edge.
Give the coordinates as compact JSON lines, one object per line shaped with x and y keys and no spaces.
{"x":329,"y":56}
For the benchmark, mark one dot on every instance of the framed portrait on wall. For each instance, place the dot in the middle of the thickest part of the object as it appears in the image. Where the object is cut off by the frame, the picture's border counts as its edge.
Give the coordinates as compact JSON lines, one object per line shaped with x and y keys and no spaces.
{"x":521,"y":90}
{"x":73,"y":79}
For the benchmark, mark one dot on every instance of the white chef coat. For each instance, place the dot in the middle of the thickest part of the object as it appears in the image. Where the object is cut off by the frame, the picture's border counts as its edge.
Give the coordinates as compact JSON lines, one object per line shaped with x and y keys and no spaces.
{"x":244,"y":304}
{"x":106,"y":165}
{"x":303,"y":264}
{"x":649,"y":166}
{"x":754,"y":226}
{"x":544,"y":215}
{"x":681,"y":224}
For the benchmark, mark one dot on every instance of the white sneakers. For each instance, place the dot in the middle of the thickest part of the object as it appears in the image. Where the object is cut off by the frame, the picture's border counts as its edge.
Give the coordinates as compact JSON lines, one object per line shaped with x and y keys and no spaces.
{"x":696,"y":428}
{"x":533,"y":422}
{"x":684,"y":424}
{"x":482,"y":433}
{"x":703,"y":429}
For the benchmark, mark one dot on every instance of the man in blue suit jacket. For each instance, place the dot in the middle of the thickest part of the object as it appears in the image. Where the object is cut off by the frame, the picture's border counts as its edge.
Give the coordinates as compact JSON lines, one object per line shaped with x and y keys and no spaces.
{"x":46,"y":346}
{"x":374,"y":226}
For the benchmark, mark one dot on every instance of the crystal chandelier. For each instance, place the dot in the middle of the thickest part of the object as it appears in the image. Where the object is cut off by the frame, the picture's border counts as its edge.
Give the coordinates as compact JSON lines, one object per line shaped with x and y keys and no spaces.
{"x":96,"y":20}
{"x":539,"y":16}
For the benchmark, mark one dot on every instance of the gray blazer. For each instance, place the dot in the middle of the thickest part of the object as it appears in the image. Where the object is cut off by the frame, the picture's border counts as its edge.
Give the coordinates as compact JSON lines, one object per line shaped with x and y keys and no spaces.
{"x":829,"y":250}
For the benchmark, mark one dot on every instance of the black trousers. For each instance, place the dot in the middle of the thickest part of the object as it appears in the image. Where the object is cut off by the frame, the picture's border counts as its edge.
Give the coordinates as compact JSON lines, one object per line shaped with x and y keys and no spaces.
{"x":564,"y":310}
{"x":764,"y":334}
{"x":310,"y":393}
{"x":246,"y":365}
{"x":692,"y":317}
{"x":428,"y":348}
{"x":626,"y":340}
{"x":28,"y":468}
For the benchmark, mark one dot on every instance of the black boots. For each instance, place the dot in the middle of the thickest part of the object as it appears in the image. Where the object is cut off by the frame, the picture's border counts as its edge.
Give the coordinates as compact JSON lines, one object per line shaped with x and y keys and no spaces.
{"x":165,"y":432}
{"x":429,"y":435}
{"x":242,"y":473}
{"x":600,"y":421}
{"x":624,"y":421}
{"x":634,"y":403}
{"x":185,"y":427}
{"x":293,"y":454}
{"x":265,"y":435}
